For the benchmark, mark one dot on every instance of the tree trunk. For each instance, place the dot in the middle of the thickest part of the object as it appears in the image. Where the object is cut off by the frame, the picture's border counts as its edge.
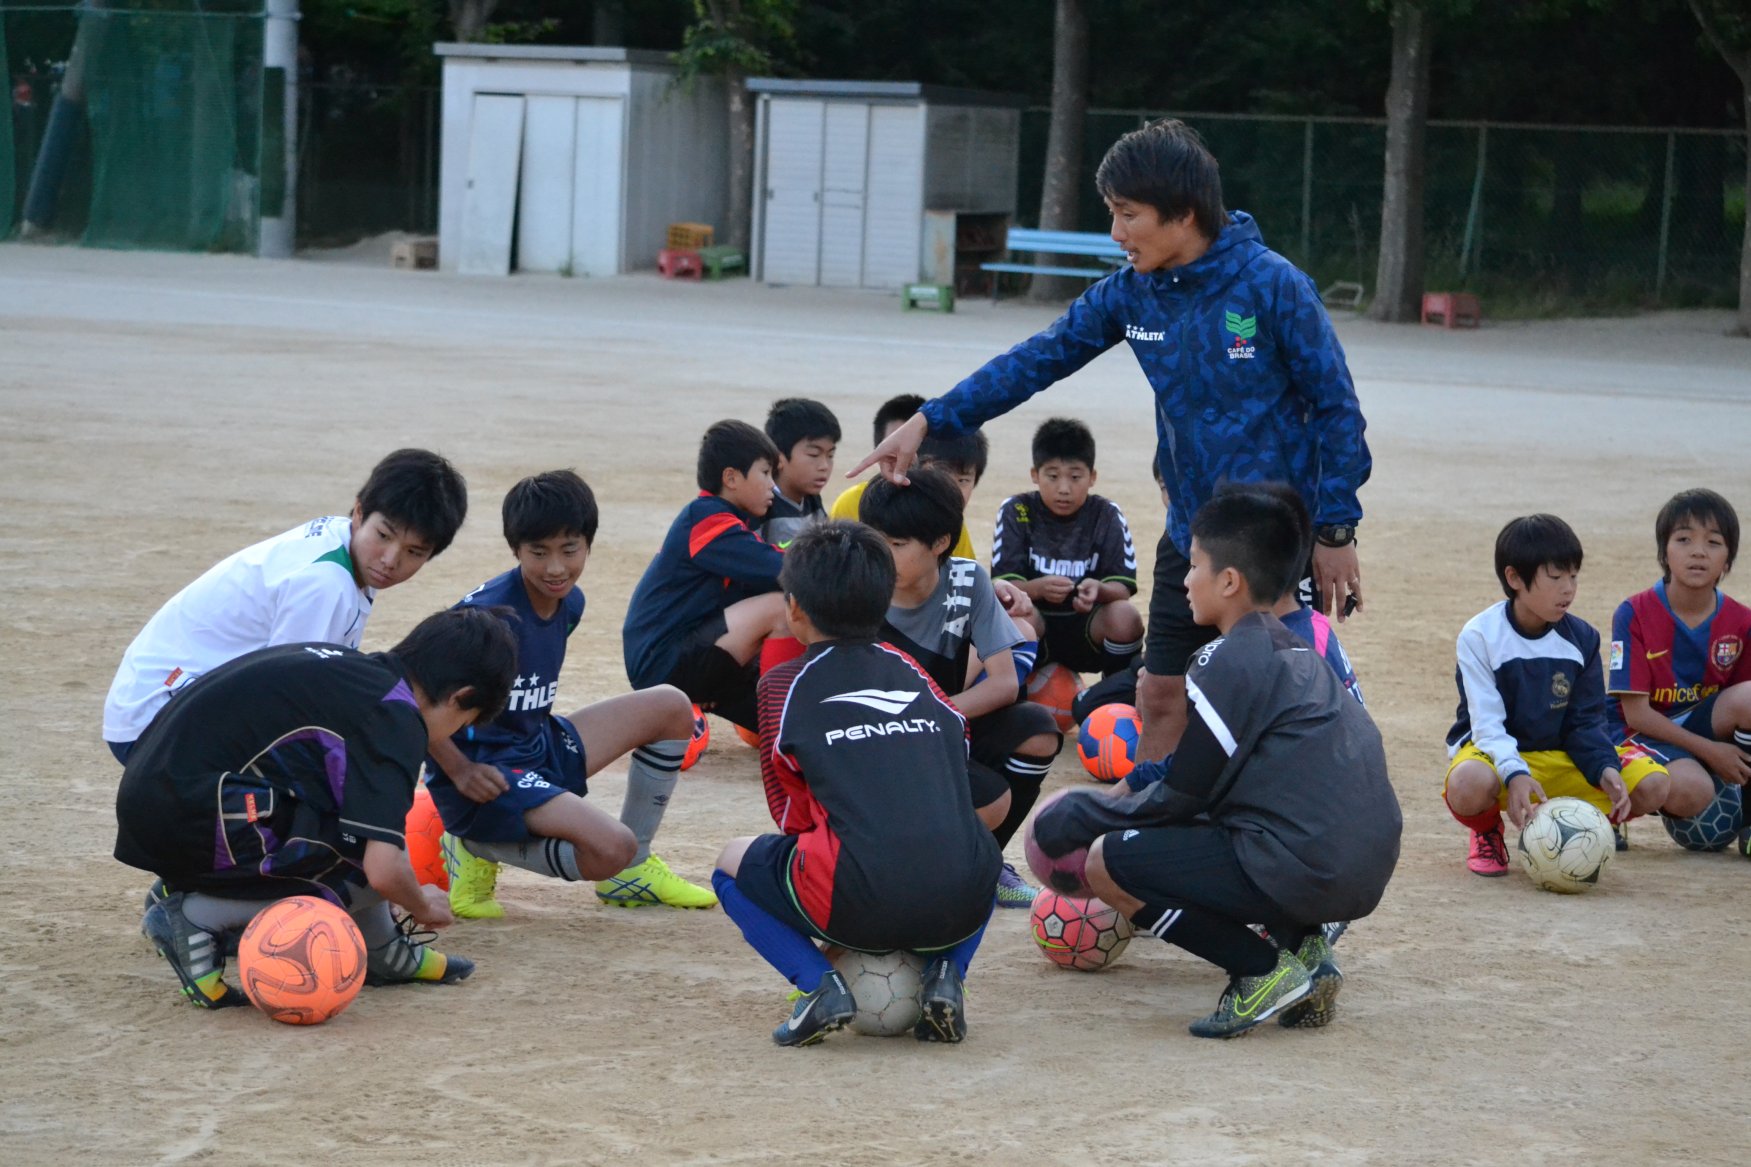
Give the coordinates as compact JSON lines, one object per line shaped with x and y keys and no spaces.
{"x":469,"y":18}
{"x":1719,"y":32}
{"x":740,"y":210}
{"x":1060,"y":196}
{"x":1743,"y":327}
{"x":608,"y":25}
{"x":1399,"y":278}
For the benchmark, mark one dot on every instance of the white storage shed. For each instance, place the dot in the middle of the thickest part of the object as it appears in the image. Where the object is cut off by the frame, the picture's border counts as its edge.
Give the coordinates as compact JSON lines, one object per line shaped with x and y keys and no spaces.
{"x":580,"y":157}
{"x":844,"y":172}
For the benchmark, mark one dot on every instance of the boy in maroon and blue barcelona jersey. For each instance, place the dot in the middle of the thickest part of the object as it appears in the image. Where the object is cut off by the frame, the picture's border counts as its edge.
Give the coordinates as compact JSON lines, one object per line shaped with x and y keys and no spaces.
{"x":1680,"y":671}
{"x":865,"y":765}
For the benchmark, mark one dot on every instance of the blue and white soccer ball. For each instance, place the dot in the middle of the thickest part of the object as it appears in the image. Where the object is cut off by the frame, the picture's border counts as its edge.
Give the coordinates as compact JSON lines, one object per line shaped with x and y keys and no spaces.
{"x":1565,"y":845}
{"x":1715,"y":827}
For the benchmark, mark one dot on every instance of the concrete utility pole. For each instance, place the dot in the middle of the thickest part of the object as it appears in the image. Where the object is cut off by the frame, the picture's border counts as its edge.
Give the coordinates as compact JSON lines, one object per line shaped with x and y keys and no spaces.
{"x":278,"y":179}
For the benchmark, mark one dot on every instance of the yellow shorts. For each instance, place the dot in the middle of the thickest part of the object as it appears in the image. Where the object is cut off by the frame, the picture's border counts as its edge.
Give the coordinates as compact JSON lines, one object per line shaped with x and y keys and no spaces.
{"x":1557,"y":773}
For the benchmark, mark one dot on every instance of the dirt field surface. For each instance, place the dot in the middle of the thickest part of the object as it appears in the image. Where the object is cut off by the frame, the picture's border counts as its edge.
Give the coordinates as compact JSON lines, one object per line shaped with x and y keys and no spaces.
{"x":159,"y":412}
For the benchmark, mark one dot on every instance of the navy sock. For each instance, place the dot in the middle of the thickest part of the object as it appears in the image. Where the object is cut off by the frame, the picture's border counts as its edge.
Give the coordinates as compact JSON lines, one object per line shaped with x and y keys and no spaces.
{"x":780,"y":945}
{"x":962,"y":953}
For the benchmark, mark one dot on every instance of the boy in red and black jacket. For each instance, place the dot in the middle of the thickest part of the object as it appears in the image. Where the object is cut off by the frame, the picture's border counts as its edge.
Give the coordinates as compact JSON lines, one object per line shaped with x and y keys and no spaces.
{"x":865,"y":765}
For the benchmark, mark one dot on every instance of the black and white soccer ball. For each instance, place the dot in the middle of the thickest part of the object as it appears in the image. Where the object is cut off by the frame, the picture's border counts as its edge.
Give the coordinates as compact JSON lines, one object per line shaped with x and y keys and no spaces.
{"x":1565,"y":845}
{"x":886,"y":985}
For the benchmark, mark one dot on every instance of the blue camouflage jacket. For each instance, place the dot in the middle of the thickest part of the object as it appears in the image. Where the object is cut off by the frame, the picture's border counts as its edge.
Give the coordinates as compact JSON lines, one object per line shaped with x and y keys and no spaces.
{"x":1250,"y":381}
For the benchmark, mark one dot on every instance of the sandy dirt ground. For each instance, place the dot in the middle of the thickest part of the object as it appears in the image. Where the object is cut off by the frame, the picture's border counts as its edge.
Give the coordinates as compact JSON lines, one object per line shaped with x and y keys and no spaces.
{"x":159,"y":412}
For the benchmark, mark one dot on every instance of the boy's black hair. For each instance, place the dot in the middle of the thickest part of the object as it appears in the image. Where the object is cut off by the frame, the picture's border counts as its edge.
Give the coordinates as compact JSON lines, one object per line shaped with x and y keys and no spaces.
{"x":898,"y":408}
{"x":1166,"y":165}
{"x":1534,"y":541}
{"x":1254,"y":530}
{"x":543,"y":506}
{"x":1065,"y":439}
{"x":462,"y":647}
{"x":927,"y":510}
{"x":1292,"y":499}
{"x":797,"y":419}
{"x":419,"y":490}
{"x":1703,"y":508}
{"x":967,"y":453}
{"x":731,"y":445}
{"x":841,"y":574}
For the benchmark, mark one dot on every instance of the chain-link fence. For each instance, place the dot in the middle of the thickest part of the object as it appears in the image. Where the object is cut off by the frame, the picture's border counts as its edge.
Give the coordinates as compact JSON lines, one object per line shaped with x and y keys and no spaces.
{"x":367,"y":161}
{"x":1538,"y":217}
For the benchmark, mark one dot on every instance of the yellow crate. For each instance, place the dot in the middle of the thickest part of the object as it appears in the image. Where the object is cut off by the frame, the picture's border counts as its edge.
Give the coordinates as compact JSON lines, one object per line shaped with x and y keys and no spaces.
{"x":694,"y":235}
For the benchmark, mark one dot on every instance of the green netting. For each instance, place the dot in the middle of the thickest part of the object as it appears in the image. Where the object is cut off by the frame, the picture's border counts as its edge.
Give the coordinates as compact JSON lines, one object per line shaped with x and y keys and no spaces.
{"x":8,"y":164}
{"x":144,"y":124}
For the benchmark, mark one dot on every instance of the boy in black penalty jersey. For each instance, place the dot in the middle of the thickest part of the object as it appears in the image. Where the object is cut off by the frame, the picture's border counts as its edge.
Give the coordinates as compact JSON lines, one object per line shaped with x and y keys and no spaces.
{"x":865,"y":765}
{"x":290,"y":771}
{"x":1071,"y":551}
{"x":1275,"y":809}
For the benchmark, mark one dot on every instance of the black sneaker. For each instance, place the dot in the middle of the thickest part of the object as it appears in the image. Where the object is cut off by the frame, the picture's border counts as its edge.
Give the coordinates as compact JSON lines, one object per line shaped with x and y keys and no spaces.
{"x":1620,"y":834}
{"x":156,"y":893}
{"x":1316,"y":1010}
{"x":197,"y":957}
{"x":408,"y":958}
{"x":819,"y":1013}
{"x":945,"y":1009}
{"x":1249,"y":1000}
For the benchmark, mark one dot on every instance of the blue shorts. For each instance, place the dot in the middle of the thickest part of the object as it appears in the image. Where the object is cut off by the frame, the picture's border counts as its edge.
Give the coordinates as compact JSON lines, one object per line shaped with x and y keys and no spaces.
{"x":1699,"y":719}
{"x":532,"y":783}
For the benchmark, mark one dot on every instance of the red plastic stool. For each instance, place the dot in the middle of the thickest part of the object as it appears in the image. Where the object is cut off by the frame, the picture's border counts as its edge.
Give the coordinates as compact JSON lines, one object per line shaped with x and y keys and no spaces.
{"x":680,"y":262}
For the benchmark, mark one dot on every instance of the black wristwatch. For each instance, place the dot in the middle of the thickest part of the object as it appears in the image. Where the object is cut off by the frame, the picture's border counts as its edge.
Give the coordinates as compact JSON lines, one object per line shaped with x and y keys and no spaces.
{"x":1335,"y":535}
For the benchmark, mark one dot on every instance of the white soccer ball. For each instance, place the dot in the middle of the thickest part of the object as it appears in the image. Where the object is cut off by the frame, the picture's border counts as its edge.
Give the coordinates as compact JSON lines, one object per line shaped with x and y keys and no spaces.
{"x":886,"y":985}
{"x":1566,"y":845}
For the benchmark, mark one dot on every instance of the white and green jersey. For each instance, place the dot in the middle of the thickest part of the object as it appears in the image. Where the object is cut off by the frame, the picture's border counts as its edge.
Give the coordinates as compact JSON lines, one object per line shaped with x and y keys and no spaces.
{"x":292,"y":588}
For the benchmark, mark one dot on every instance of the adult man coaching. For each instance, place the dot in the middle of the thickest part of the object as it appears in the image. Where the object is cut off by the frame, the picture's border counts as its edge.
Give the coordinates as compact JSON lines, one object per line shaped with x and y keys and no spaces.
{"x":1250,"y":384}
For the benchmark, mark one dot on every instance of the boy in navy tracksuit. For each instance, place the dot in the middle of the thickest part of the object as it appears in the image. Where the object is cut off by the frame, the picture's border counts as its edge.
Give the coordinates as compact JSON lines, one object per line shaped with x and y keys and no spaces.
{"x":710,"y":597}
{"x":1250,"y":382}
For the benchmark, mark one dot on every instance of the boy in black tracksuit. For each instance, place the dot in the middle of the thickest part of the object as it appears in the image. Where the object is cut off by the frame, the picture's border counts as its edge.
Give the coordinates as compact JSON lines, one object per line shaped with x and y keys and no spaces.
{"x":1275,"y":809}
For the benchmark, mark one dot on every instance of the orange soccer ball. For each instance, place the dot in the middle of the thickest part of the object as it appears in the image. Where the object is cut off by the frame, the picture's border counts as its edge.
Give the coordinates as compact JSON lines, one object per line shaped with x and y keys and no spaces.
{"x":747,"y":735}
{"x":425,"y":832}
{"x":302,"y":960}
{"x":701,"y":738}
{"x":1055,"y":687}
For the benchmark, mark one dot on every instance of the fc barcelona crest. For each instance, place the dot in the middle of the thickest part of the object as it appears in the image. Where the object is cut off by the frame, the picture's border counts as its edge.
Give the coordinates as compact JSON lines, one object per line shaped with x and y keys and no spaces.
{"x":1726,"y":651}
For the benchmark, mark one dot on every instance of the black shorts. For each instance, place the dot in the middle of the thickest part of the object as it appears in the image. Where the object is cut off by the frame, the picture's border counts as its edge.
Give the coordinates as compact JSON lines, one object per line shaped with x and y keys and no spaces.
{"x":712,"y":677}
{"x":1172,"y":637}
{"x":1192,"y":866}
{"x":1070,"y":642}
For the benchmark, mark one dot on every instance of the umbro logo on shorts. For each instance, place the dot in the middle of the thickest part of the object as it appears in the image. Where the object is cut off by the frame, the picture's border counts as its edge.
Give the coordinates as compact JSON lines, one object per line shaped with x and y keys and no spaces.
{"x":889,"y":701}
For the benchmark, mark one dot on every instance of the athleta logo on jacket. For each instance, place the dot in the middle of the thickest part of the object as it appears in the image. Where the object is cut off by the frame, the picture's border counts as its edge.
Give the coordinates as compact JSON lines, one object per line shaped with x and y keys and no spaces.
{"x":1243,"y":329}
{"x":1132,"y":332}
{"x":889,"y":701}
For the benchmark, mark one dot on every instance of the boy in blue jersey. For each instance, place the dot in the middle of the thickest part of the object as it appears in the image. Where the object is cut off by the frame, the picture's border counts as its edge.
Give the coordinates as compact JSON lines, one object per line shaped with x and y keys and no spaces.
{"x":806,"y":435}
{"x":1680,"y":676}
{"x":1070,"y":550}
{"x":1250,"y":383}
{"x":709,"y":598}
{"x":512,"y":790}
{"x":1531,"y":721}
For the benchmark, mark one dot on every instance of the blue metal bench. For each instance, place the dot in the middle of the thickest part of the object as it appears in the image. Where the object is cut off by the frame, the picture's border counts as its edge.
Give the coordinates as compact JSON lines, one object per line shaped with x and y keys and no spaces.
{"x":1029,"y":239}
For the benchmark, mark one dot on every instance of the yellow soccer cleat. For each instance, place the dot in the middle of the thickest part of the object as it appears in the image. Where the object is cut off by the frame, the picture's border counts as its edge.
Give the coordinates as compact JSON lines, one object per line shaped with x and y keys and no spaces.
{"x":651,"y":882}
{"x":473,"y":881}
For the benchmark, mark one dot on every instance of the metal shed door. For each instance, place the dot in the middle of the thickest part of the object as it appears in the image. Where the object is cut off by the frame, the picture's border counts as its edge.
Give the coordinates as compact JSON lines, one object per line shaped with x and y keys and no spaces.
{"x":844,"y":175}
{"x":495,"y":150}
{"x":791,"y":253}
{"x":544,"y":198}
{"x":597,"y":219}
{"x":894,"y":217}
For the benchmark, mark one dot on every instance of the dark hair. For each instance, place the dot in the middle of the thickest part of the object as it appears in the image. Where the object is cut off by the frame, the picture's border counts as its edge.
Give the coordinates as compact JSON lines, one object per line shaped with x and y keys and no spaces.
{"x":1701,"y":507}
{"x":841,"y":574}
{"x":462,"y":647}
{"x":1534,"y":541}
{"x":797,"y":419}
{"x":1065,"y":439}
{"x":967,"y":453}
{"x":898,"y":408}
{"x":419,"y":490}
{"x":1166,"y":165}
{"x":927,"y":510}
{"x":1253,"y":529}
{"x":1297,"y":505}
{"x":731,"y":445}
{"x":545,"y":505}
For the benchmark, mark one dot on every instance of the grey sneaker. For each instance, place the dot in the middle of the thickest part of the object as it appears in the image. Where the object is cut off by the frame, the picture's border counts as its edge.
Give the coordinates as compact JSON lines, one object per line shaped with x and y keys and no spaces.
{"x":155,"y":893}
{"x":1317,"y":1009}
{"x":1012,"y":890}
{"x":1249,"y":1000}
{"x":819,"y":1013}
{"x":944,"y":1001}
{"x":195,"y":956}
{"x":408,"y":958}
